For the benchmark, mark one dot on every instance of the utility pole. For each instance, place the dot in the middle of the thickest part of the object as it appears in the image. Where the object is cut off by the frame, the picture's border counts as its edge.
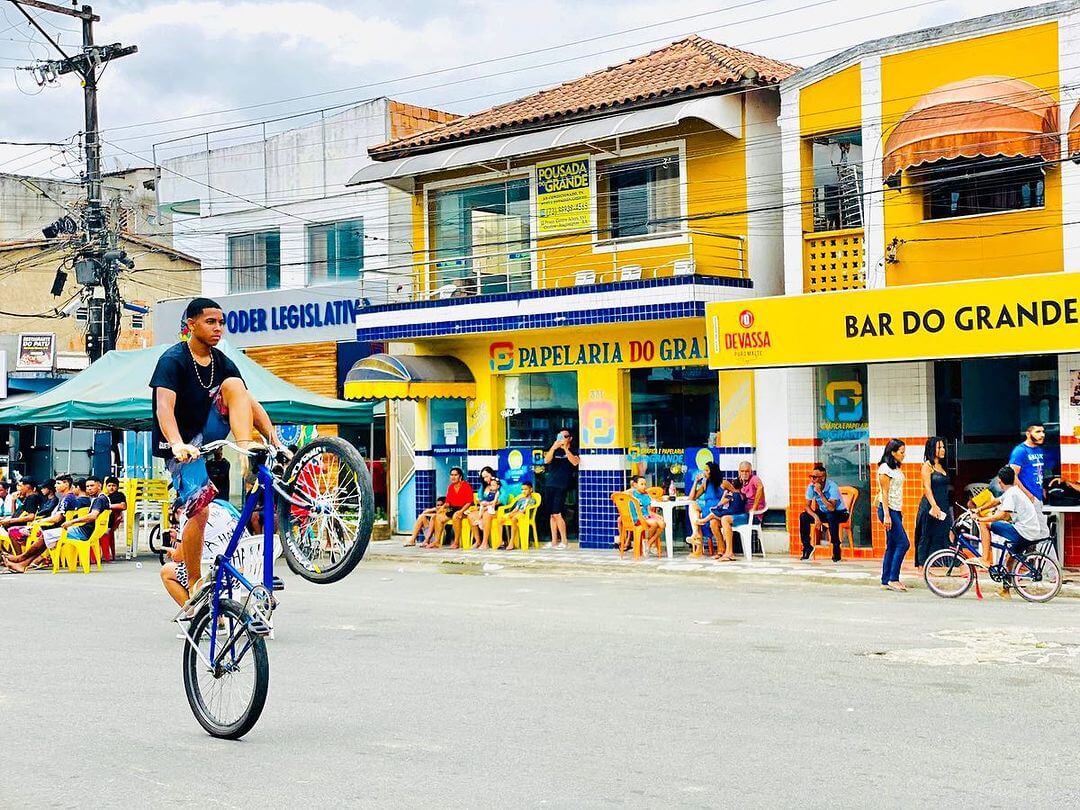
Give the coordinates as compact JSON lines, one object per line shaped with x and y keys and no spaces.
{"x":98,"y":264}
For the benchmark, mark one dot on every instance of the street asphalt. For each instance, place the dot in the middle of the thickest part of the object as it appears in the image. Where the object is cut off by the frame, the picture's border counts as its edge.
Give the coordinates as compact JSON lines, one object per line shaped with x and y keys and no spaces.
{"x":407,"y":685}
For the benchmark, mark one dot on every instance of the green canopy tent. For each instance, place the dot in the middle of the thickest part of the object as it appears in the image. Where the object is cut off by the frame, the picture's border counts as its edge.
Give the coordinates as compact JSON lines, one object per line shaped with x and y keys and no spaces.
{"x":113,"y":394}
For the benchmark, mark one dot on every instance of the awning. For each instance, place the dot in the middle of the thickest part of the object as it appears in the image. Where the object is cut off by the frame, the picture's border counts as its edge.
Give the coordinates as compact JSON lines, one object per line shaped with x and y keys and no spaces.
{"x":1074,"y":132}
{"x":986,"y":116}
{"x":384,"y":376}
{"x":722,"y":111}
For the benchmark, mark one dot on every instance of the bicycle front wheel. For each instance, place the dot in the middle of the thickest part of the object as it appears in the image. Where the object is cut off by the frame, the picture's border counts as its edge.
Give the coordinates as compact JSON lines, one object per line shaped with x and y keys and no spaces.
{"x":948,"y":573}
{"x":325,"y":541}
{"x":1036,"y":577}
{"x":226,"y":698}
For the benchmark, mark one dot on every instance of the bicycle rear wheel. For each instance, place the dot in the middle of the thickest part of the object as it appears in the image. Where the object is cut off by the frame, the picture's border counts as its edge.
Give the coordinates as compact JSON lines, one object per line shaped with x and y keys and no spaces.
{"x":1036,"y":577}
{"x":948,"y":573}
{"x":326,"y":541}
{"x":227,"y":701}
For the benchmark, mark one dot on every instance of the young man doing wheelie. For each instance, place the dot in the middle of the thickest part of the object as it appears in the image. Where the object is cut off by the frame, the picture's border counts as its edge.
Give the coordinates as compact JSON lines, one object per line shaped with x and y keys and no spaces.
{"x":199,"y":396}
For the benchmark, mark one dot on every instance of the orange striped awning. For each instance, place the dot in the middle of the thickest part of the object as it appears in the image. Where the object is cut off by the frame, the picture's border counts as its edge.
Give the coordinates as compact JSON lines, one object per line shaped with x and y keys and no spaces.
{"x":985,"y":116}
{"x":1074,"y":132}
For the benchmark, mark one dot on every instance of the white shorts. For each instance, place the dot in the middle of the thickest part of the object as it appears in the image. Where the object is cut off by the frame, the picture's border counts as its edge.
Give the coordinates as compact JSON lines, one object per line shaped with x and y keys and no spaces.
{"x":51,"y":537}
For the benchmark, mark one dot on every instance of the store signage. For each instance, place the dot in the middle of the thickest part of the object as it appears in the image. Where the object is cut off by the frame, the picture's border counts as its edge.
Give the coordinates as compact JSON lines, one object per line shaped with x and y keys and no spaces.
{"x":506,"y":356}
{"x":563,"y":199}
{"x":843,"y":412}
{"x":37,"y":351}
{"x":1022,"y":315}
{"x":275,"y":317}
{"x":515,"y":468}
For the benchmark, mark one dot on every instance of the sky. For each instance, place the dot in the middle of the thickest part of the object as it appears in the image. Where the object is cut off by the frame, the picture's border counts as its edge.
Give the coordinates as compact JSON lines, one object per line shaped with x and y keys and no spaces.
{"x":204,"y":65}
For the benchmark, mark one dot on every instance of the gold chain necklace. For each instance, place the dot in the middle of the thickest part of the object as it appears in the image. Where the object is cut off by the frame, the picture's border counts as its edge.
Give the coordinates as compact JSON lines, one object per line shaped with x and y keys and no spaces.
{"x":198,"y":374}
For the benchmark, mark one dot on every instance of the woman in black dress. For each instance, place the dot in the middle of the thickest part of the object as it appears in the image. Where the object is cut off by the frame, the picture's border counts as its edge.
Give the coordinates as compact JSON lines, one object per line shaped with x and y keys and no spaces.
{"x":934,"y":521}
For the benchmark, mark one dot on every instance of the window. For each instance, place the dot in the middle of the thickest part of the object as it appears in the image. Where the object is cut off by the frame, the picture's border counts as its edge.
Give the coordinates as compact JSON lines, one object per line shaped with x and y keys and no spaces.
{"x":963,"y":187}
{"x":138,"y":320}
{"x":335,"y":251}
{"x":480,"y":238}
{"x":639,"y":197}
{"x":255,"y":262}
{"x":838,"y":182}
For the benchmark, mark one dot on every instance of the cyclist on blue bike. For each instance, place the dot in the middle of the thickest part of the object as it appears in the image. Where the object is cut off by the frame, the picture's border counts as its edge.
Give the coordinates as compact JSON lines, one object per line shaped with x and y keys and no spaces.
{"x":1014,"y":520}
{"x":199,"y":396}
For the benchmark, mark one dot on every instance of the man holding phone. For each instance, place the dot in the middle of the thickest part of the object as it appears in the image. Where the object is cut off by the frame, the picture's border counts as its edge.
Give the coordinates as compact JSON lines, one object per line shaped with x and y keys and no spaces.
{"x":559,"y":462}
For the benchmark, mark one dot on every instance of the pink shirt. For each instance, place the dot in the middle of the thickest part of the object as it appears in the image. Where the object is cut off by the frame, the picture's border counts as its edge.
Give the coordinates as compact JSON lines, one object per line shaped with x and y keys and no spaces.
{"x":750,"y":490}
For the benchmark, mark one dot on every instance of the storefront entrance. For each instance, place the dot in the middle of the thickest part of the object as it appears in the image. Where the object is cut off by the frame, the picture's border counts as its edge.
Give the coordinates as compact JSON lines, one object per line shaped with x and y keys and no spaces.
{"x":843,"y":428}
{"x":536,"y":407}
{"x":983,"y":407}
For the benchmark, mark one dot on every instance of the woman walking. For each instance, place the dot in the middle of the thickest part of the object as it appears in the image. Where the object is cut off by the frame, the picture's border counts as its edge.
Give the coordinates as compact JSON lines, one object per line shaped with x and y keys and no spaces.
{"x":890,"y":501}
{"x":934,"y":521}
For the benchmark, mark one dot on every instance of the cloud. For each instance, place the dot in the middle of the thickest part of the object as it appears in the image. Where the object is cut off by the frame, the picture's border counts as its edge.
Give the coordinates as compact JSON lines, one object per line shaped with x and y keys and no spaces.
{"x":198,"y":56}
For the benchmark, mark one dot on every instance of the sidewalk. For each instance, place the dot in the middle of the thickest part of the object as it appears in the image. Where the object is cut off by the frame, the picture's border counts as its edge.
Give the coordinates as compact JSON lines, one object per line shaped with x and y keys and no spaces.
{"x":778,"y":569}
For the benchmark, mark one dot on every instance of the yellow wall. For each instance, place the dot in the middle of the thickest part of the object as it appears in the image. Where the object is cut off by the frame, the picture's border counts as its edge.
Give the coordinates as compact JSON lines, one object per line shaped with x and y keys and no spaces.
{"x":833,"y":104}
{"x":973,"y":249}
{"x":715,"y":178}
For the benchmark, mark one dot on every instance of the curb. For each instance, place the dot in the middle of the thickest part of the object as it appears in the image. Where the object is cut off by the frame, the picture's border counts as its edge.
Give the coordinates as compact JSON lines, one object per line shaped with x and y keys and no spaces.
{"x":741,"y":572}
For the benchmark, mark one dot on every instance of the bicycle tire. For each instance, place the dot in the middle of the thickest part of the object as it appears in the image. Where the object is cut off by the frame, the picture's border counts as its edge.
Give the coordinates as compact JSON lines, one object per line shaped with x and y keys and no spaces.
{"x":1049,"y":586}
{"x":326,"y":469}
{"x":255,"y":649}
{"x":960,"y":573}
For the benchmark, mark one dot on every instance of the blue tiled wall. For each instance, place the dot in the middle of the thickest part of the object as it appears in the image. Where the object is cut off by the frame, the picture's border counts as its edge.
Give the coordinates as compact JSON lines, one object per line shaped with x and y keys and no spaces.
{"x":425,"y":490}
{"x":598,"y":519}
{"x":546,"y":320}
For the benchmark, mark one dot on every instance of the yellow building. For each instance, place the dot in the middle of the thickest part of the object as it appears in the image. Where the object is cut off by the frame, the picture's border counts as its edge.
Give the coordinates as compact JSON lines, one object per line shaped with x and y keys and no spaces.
{"x":566,"y":245}
{"x":934,"y":170}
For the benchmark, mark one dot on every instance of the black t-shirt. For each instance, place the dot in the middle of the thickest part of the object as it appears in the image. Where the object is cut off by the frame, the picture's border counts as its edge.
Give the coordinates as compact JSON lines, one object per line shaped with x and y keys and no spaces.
{"x":558,"y":473}
{"x":117,"y":497}
{"x":196,"y":389}
{"x":47,"y":505}
{"x":31,"y":505}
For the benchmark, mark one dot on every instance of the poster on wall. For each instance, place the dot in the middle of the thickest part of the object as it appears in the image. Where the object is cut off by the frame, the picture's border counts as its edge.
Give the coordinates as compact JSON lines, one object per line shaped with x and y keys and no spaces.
{"x":37,"y":351}
{"x":563,"y":196}
{"x":515,"y":468}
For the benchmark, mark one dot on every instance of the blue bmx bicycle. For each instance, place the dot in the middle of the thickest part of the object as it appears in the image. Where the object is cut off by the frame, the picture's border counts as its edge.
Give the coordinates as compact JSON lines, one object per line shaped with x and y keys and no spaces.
{"x":324,"y":515}
{"x":950,"y":572}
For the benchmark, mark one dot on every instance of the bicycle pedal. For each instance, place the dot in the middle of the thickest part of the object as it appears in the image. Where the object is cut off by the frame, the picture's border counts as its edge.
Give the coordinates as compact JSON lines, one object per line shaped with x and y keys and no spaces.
{"x":259,"y":627}
{"x":279,"y":584}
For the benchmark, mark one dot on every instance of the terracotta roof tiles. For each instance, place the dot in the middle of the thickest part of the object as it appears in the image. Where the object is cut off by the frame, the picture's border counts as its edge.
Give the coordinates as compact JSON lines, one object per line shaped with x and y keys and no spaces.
{"x":690,"y":65}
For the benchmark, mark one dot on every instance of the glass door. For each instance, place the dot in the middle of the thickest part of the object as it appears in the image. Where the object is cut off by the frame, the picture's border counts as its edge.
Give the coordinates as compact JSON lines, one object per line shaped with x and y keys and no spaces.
{"x":843,"y":427}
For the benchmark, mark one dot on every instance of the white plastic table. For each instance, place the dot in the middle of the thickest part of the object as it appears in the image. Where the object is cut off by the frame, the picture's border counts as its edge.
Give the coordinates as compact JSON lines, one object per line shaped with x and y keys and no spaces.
{"x":667,"y":509}
{"x":1059,"y":529}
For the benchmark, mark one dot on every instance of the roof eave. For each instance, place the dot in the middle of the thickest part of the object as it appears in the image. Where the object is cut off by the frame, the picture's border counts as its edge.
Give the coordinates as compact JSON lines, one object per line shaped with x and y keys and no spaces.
{"x":384,"y":152}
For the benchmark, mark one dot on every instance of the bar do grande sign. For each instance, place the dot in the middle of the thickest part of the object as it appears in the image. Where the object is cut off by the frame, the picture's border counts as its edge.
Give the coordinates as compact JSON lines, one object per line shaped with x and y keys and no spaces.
{"x":1018,"y":315}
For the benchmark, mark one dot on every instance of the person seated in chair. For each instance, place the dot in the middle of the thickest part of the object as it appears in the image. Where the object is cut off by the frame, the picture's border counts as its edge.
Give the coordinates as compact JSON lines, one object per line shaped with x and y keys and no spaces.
{"x":706,"y":492}
{"x":459,"y":499}
{"x":640,"y":507}
{"x":426,"y":522}
{"x":65,"y":502}
{"x":518,"y":510}
{"x":825,"y":508}
{"x":27,"y":505}
{"x":79,"y":528}
{"x":483,"y":515}
{"x":753,"y":492}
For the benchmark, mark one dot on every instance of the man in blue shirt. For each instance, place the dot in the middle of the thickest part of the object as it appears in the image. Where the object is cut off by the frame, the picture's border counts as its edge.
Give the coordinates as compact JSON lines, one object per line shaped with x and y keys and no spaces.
{"x":1028,"y":460}
{"x":825,"y":507}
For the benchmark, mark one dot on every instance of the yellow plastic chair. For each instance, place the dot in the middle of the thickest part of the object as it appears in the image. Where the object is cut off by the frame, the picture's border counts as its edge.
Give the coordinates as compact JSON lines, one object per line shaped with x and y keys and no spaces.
{"x":78,"y":551}
{"x":58,"y":552}
{"x":466,"y":526}
{"x":526,"y":520}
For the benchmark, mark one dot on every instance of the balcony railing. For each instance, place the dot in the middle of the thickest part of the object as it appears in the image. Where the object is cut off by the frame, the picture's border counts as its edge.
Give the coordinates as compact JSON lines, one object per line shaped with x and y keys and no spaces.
{"x":834,"y":260}
{"x":509,"y":271}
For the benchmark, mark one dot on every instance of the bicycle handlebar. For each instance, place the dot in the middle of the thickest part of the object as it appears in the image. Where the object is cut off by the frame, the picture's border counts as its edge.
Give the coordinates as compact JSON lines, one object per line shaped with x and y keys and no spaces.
{"x":210,"y":447}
